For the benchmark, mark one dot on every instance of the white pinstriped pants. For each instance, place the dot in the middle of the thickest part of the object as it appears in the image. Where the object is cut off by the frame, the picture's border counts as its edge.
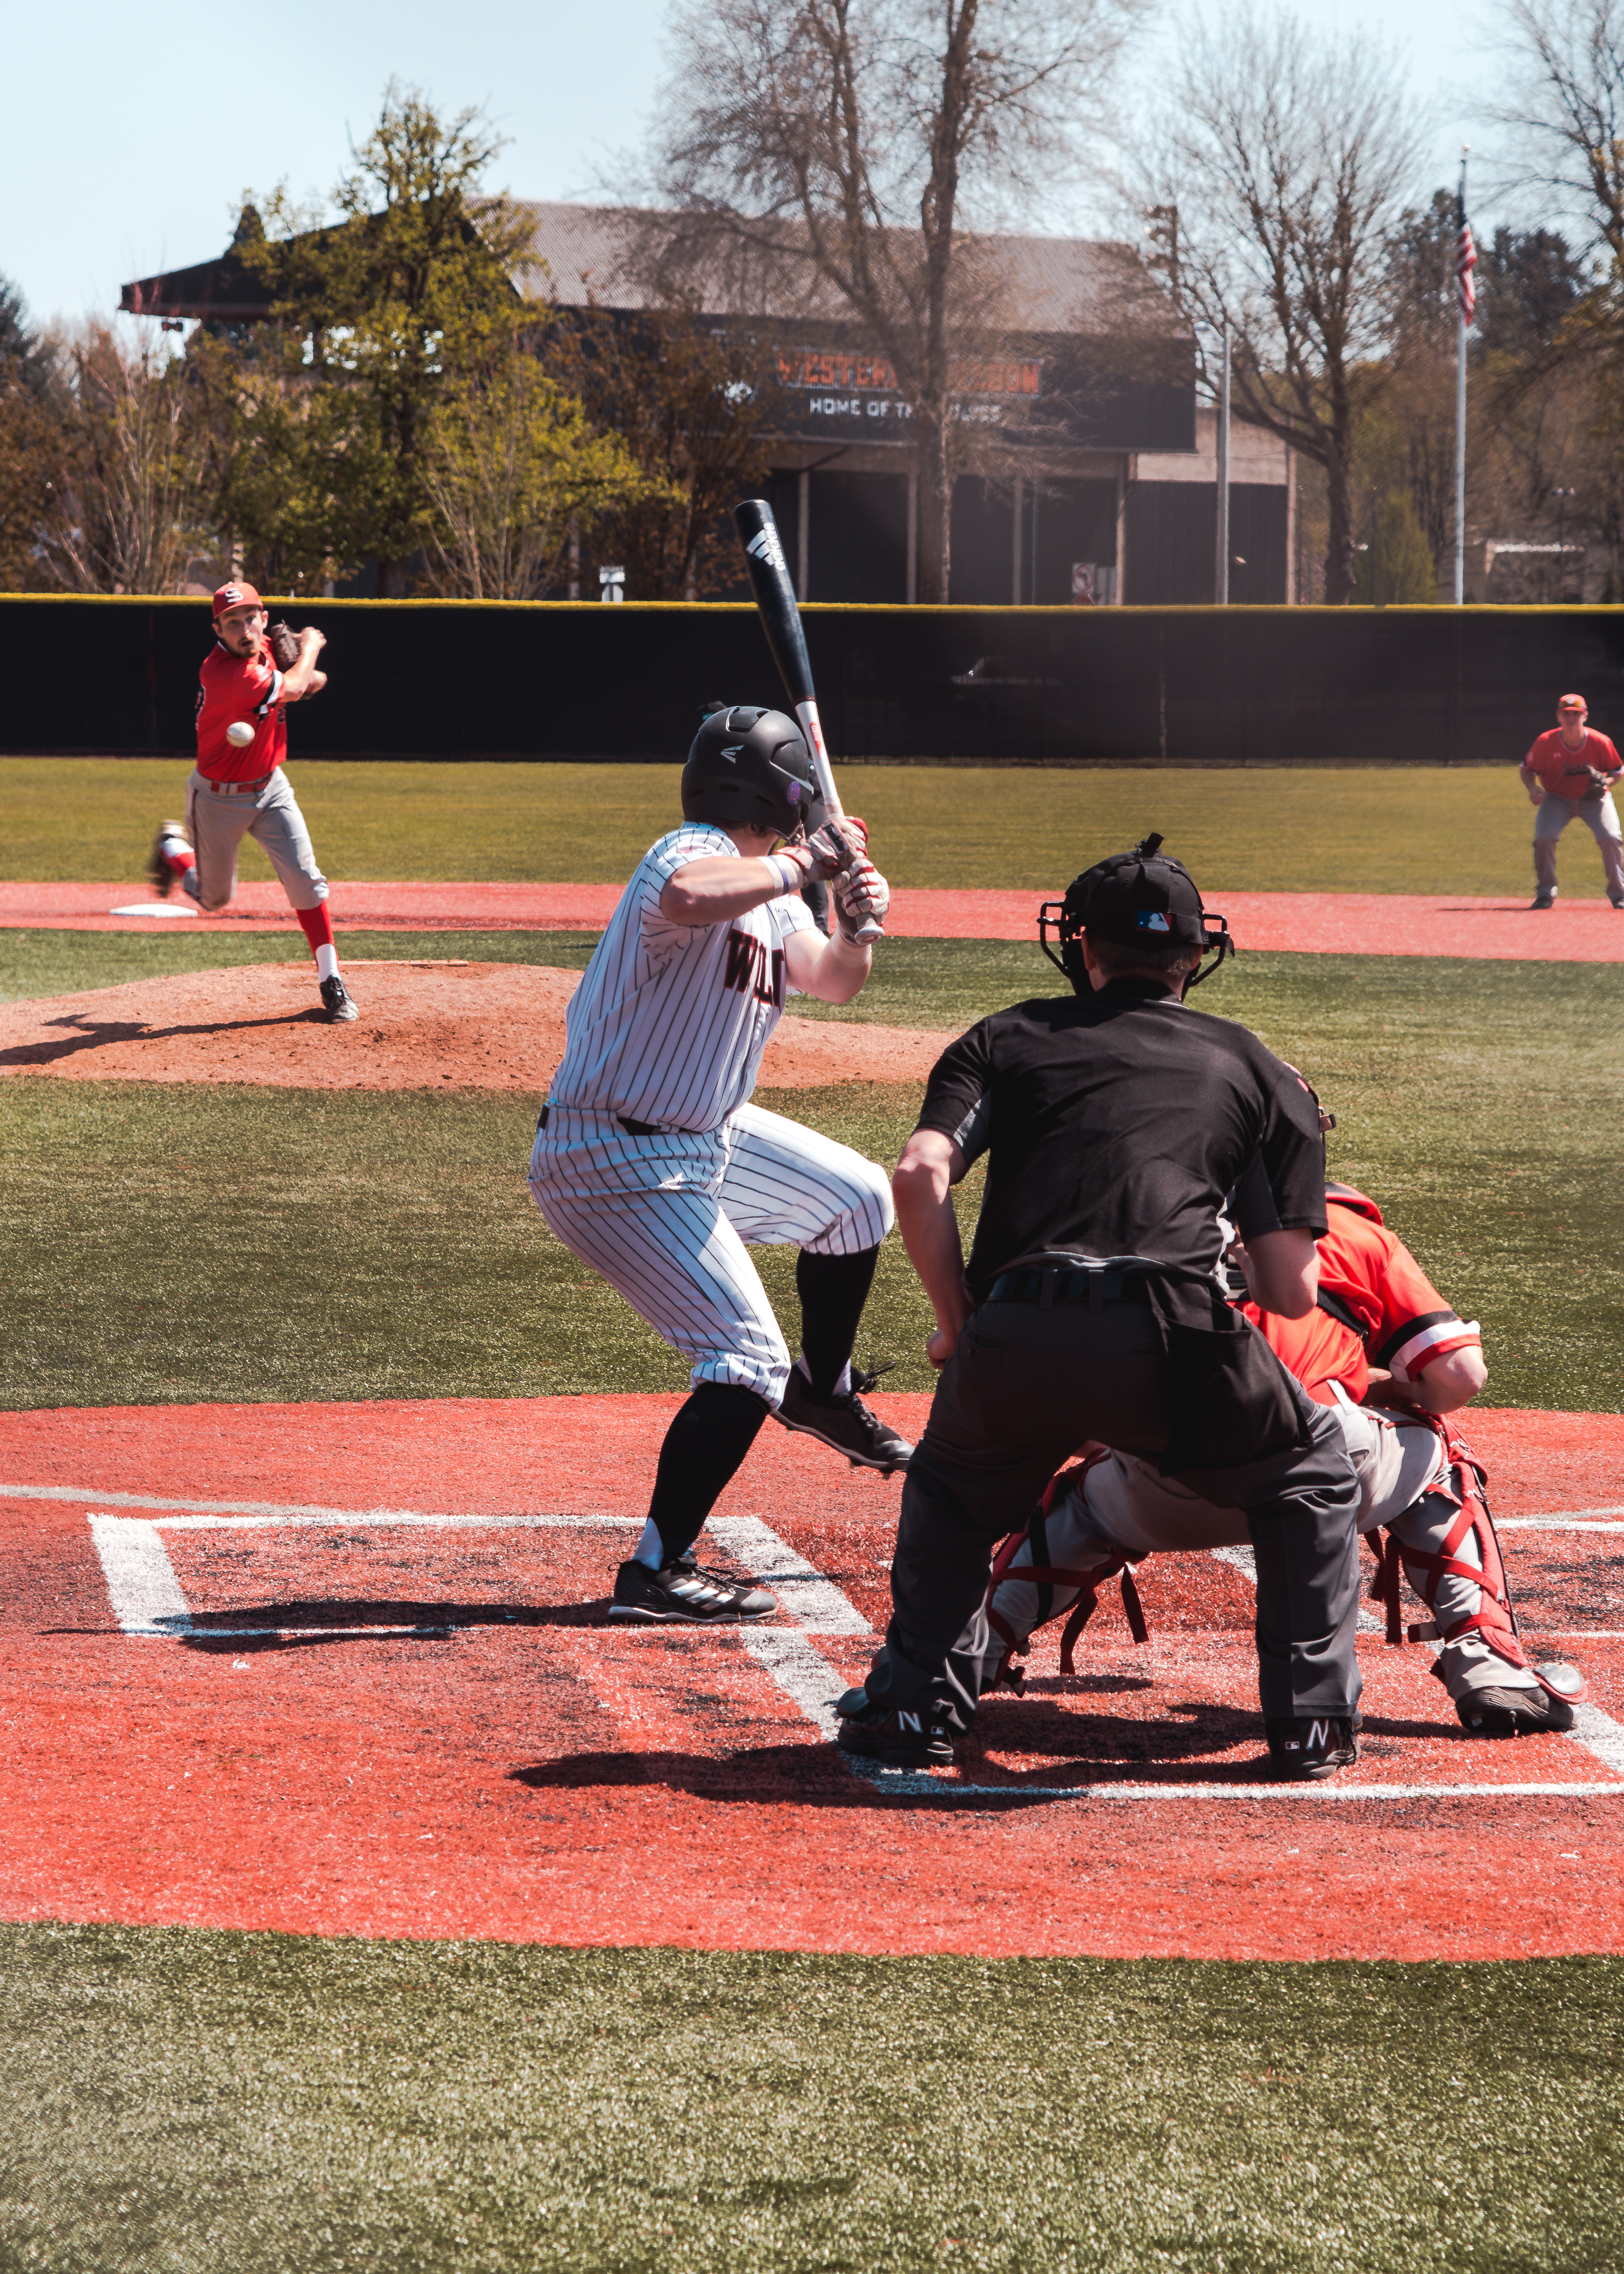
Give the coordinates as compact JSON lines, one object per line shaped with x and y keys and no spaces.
{"x":677,"y":1251}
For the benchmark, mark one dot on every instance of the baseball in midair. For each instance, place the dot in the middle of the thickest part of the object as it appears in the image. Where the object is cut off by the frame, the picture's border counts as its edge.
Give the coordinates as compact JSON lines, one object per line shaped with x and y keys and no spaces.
{"x":240,"y":735}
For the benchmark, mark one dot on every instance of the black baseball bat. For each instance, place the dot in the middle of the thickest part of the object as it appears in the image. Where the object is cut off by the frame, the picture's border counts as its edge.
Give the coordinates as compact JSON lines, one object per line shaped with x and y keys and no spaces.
{"x":780,"y":616}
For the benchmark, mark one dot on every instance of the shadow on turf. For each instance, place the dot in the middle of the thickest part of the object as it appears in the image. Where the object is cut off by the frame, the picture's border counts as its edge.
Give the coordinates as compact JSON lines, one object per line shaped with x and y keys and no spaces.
{"x":373,"y":1617}
{"x":98,"y":1034}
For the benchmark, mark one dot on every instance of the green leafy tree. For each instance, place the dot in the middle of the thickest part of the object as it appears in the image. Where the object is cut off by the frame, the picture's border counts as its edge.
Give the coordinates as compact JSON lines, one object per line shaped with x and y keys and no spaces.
{"x":513,"y":464}
{"x":1395,"y":567}
{"x":33,"y":403}
{"x":381,"y":315}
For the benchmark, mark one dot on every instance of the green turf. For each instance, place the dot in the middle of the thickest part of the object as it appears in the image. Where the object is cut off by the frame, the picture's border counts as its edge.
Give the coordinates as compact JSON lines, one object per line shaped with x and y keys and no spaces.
{"x":193,"y":2102}
{"x":1367,"y":829}
{"x":1477,"y":1100}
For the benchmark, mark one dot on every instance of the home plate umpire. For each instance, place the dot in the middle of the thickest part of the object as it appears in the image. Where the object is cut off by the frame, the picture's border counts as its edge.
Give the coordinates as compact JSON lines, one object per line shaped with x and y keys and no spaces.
{"x":1114,"y":1122}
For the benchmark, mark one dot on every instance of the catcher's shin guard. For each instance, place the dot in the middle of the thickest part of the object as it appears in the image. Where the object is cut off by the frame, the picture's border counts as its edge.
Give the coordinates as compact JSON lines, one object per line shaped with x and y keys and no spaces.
{"x":1057,"y":1562}
{"x":1469,"y":1599}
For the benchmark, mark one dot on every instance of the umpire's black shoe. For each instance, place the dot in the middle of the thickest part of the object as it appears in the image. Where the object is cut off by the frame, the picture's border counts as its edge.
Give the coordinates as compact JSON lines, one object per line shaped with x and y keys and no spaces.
{"x":901,"y":1740}
{"x":1512,"y":1713}
{"x":337,"y":1001}
{"x":1305,"y":1749}
{"x":845,"y":1422}
{"x":685,"y":1593}
{"x":1543,"y":900}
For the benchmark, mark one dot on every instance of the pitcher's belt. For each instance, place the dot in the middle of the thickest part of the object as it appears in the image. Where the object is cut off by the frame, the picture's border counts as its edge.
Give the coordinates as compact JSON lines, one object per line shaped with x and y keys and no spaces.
{"x":1070,"y":1285}
{"x":236,"y":788}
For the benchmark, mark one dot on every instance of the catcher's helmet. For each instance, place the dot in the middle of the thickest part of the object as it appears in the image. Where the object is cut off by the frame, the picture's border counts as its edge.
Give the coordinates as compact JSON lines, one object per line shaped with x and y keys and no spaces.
{"x":1142,"y":898}
{"x":753,"y":767}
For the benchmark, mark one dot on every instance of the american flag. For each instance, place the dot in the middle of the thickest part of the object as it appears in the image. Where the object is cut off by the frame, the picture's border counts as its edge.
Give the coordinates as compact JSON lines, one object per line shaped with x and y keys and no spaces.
{"x":1465,"y":261}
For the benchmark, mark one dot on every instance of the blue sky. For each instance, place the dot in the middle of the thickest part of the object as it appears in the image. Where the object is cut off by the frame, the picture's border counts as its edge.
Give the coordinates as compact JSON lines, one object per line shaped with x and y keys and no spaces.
{"x":132,"y":131}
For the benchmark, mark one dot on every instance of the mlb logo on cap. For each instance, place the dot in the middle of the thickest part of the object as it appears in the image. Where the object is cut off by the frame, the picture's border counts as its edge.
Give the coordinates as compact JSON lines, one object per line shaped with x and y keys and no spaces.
{"x":1153,"y":920}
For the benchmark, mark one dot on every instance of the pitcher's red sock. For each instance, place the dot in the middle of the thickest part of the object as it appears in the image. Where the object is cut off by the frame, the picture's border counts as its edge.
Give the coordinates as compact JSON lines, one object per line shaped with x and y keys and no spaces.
{"x":317,"y":926}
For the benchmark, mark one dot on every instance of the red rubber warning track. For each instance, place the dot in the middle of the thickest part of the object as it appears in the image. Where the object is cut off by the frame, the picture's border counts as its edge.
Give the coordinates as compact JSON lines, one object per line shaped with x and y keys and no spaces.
{"x":1339,"y":923}
{"x":342,"y":1669}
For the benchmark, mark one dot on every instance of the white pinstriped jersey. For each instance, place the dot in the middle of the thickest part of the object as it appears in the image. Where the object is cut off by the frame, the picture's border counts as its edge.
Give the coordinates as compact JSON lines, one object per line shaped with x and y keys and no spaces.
{"x":670,"y":1021}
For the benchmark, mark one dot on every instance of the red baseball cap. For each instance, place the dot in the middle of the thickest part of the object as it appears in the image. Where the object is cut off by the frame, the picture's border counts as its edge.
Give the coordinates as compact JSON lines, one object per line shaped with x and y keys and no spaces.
{"x":1563,"y":702}
{"x":243,"y":595}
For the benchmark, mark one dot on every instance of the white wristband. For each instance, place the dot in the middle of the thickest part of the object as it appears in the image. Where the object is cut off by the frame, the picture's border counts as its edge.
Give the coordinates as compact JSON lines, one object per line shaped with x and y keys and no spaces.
{"x":791,"y":874}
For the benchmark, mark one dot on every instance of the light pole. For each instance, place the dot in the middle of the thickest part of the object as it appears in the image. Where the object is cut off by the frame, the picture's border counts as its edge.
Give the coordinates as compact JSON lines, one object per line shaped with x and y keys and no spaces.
{"x":1220,"y":395}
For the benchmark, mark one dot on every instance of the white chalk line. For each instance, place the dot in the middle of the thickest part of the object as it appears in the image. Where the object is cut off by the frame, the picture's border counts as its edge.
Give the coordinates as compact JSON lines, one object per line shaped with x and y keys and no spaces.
{"x":148,"y":1602}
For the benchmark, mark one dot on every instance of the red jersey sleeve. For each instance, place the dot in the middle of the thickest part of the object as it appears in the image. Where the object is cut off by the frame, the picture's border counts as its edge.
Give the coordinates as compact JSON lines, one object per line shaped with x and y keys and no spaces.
{"x":1416,"y":1325}
{"x":233,"y":688}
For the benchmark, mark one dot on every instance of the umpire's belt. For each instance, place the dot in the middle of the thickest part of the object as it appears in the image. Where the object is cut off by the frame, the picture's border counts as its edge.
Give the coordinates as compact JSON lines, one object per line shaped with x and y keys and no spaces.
{"x":1072,"y":1285}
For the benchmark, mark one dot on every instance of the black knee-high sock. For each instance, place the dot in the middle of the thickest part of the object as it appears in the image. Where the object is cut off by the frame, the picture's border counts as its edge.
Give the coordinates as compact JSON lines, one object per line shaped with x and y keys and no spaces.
{"x":706,"y":1443}
{"x":833,"y":1290}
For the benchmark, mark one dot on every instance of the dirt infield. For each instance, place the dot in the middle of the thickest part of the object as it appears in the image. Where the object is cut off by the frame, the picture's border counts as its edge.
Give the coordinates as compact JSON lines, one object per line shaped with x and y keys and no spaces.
{"x":344,"y":1669}
{"x":1576,"y":930}
{"x":481,"y":1026}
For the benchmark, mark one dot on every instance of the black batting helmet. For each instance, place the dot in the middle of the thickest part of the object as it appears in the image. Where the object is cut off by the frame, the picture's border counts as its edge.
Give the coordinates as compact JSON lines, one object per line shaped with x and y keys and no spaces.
{"x":753,"y":767}
{"x":1142,"y":898}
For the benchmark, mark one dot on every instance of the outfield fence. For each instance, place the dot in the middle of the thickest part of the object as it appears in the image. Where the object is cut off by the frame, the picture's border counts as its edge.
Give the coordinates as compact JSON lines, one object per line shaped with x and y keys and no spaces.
{"x":466,"y":679}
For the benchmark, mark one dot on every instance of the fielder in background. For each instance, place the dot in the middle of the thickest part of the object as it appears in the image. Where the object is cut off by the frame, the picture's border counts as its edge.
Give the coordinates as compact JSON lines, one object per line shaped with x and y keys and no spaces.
{"x":1113,"y":1123}
{"x":237,"y":787}
{"x":1568,"y":774}
{"x":1384,"y":1352}
{"x":651,"y":1167}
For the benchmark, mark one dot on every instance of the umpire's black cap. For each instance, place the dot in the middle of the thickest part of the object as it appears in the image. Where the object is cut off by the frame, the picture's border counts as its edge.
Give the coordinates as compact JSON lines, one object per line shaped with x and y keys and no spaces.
{"x":1144,"y":899}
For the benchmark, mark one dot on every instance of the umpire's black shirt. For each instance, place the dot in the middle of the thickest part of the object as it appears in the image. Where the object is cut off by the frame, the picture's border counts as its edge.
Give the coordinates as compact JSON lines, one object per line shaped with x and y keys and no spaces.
{"x":1117,"y":1121}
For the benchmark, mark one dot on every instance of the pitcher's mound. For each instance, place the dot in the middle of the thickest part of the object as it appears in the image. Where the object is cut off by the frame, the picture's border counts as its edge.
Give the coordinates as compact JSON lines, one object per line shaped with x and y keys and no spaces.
{"x":479,"y":1026}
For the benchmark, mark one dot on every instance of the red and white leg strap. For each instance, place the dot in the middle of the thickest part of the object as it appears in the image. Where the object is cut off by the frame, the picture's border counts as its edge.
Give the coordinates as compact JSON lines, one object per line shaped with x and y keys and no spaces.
{"x":1494,"y":1622}
{"x":1045,"y":1577}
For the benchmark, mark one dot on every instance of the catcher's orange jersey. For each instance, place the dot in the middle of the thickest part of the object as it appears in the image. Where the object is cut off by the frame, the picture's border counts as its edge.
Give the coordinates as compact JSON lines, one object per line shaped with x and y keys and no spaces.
{"x":240,"y":687}
{"x":1567,"y":773}
{"x":1406,"y":1322}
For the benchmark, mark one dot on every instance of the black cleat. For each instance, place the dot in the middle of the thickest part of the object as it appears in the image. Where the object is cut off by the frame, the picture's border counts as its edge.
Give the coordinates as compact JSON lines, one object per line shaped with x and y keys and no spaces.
{"x":160,"y":876}
{"x":901,"y":1740}
{"x":686,"y":1593}
{"x":1512,"y":1713}
{"x":1543,"y":900}
{"x":846,"y":1423}
{"x":1305,"y":1748}
{"x":337,"y":1001}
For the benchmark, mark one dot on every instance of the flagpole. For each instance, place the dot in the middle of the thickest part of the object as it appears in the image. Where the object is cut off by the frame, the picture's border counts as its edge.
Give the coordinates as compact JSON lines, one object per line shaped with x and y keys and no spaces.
{"x":1459,"y":397}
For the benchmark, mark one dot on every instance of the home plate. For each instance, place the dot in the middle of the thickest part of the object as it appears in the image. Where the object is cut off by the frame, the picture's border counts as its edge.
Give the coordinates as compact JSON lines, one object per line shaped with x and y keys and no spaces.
{"x":153,"y":909}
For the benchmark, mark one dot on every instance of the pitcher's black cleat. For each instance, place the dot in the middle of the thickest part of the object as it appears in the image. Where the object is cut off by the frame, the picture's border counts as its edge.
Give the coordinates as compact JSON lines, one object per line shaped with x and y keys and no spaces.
{"x":686,"y":1594}
{"x":1512,"y":1713}
{"x":900,"y":1740}
{"x":337,"y":1001}
{"x":845,"y":1422}
{"x":1305,"y":1749}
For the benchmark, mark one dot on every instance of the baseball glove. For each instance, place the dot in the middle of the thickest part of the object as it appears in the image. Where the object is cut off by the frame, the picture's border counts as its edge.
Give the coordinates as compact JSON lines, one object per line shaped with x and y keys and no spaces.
{"x":284,"y":644}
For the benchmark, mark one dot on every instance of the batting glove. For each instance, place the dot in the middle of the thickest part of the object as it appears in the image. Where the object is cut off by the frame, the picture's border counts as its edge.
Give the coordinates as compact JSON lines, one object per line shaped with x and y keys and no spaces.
{"x":862,"y":897}
{"x":836,"y":847}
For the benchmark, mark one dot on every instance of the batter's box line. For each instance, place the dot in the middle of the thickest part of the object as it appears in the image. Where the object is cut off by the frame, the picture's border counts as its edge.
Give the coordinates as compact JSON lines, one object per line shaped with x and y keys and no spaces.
{"x":149,"y":1603}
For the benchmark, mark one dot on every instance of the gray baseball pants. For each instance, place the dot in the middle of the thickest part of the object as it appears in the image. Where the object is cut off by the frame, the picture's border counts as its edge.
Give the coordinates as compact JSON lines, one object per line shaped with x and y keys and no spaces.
{"x":1024,"y":1388}
{"x":1600,"y":818}
{"x":218,"y":820}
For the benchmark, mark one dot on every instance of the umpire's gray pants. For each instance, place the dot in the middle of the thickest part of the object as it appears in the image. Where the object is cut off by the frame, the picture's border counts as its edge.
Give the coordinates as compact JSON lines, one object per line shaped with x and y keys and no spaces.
{"x":1600,"y":818}
{"x":1024,"y":1390}
{"x":218,"y":820}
